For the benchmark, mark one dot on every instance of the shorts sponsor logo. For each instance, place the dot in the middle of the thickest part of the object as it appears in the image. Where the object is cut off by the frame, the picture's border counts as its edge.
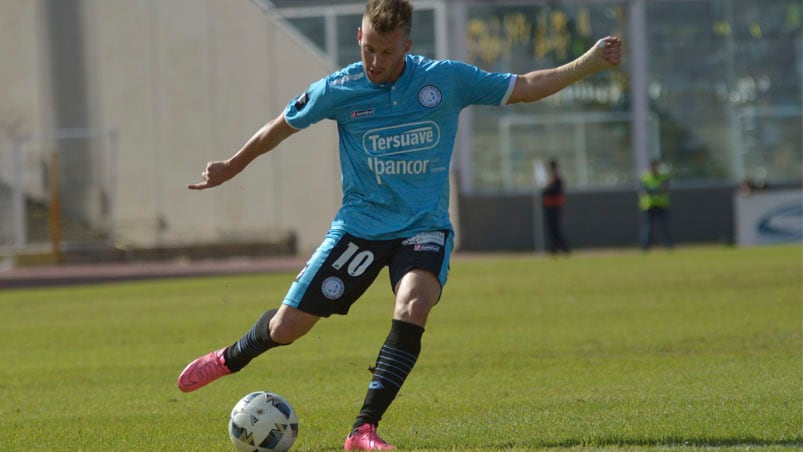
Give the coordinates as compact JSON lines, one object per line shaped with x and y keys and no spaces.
{"x":423,"y":238}
{"x":333,"y":287}
{"x":427,"y":247}
{"x":429,"y":96}
{"x":413,"y":137}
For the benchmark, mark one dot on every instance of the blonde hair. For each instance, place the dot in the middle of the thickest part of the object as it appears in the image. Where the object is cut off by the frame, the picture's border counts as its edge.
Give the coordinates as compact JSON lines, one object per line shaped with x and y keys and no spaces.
{"x":387,"y":16}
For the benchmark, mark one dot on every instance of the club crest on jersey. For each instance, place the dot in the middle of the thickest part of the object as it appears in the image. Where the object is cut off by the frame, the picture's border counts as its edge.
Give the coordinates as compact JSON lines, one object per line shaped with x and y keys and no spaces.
{"x":429,"y":96}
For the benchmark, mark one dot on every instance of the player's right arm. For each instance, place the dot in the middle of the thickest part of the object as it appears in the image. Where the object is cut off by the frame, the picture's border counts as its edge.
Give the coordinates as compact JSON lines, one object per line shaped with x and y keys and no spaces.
{"x":264,"y":140}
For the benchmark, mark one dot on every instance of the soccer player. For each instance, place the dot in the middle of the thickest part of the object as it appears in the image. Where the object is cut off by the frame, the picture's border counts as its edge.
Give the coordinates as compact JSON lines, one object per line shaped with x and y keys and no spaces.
{"x":397,"y":117}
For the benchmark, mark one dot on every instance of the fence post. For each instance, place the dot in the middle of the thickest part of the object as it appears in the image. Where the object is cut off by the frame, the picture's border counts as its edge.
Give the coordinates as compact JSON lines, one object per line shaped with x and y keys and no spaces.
{"x":18,"y":195}
{"x":54,"y":211}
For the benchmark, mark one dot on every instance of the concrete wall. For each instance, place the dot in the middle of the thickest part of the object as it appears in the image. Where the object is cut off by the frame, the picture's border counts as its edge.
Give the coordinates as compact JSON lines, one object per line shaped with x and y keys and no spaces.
{"x":22,"y":90}
{"x":179,"y":83}
{"x":594,"y":219}
{"x":182,"y":82}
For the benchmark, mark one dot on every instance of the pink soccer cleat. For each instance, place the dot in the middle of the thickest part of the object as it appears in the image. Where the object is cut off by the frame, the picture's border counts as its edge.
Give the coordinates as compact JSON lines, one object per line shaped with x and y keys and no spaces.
{"x":365,"y":438}
{"x":203,"y":371}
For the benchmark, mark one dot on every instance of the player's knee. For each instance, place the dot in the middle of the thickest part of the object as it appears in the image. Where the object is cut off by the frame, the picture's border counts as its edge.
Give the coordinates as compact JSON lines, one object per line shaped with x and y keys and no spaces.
{"x":414,"y":310}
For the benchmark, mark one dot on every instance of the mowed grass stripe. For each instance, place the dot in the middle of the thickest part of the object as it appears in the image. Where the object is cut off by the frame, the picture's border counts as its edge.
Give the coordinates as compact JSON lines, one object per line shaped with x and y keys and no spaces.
{"x":695,"y":348}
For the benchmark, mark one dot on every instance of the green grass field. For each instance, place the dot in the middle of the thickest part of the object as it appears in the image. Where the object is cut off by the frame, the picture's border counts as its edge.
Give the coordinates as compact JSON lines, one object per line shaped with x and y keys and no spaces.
{"x":690,"y":349}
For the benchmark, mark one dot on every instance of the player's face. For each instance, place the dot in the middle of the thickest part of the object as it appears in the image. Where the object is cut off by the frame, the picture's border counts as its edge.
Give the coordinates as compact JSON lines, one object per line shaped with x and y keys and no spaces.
{"x":382,"y":53}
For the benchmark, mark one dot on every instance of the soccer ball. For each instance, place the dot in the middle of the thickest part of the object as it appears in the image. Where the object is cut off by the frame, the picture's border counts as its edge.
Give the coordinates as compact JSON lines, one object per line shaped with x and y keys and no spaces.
{"x":263,"y":422}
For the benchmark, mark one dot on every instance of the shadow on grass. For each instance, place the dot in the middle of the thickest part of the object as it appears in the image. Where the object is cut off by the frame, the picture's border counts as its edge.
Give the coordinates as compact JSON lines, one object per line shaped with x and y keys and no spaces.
{"x":664,"y":444}
{"x":744,"y":442}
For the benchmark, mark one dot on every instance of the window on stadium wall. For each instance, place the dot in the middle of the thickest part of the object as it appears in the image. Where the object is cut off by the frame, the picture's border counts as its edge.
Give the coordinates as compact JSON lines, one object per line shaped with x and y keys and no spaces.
{"x":586,"y":127}
{"x":313,"y":26}
{"x":725,"y":85}
{"x":724,"y":90}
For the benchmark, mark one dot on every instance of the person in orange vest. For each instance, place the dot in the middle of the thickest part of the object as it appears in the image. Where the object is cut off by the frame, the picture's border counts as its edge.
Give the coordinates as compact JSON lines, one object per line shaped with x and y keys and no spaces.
{"x":552,"y":200}
{"x":654,"y":205}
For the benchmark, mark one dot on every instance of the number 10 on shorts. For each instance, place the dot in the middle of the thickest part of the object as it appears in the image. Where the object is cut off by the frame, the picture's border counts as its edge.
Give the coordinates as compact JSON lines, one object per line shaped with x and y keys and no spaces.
{"x":357,"y":261}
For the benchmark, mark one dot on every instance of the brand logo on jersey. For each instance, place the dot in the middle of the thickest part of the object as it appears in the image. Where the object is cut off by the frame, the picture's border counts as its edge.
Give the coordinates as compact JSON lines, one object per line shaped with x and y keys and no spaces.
{"x":347,"y":78}
{"x":429,"y":96}
{"x":413,"y":137}
{"x":391,"y":167}
{"x":362,"y":113}
{"x":301,"y":101}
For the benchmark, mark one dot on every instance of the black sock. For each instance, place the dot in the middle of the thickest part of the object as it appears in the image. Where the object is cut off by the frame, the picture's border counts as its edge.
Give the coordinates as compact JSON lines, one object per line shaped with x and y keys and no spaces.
{"x":395,"y":361}
{"x":254,"y":342}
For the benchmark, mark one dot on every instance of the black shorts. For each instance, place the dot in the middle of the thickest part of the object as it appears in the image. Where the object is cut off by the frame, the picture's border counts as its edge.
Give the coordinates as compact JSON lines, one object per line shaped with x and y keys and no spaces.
{"x":344,"y":266}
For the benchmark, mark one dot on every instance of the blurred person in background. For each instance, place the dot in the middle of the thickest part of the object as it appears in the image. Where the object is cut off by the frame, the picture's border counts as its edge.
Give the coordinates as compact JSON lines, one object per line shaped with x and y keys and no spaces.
{"x":553,"y":198}
{"x":654,"y":204}
{"x":397,"y":117}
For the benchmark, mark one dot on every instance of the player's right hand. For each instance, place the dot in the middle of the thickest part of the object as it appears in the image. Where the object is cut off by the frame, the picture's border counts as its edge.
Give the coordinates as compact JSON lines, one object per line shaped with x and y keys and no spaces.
{"x":215,"y":174}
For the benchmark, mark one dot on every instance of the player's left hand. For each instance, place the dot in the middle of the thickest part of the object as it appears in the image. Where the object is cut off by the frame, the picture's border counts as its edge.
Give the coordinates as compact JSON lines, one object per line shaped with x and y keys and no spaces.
{"x":611,"y":49}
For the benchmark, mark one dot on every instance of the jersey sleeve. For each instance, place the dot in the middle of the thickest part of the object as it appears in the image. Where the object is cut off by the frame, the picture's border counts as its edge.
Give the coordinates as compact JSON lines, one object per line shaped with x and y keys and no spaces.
{"x":482,"y":87}
{"x":311,"y":106}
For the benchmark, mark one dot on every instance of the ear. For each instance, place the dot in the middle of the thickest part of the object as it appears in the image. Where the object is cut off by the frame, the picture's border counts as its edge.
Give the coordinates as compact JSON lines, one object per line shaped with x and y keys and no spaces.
{"x":407,"y":45}
{"x":359,"y":35}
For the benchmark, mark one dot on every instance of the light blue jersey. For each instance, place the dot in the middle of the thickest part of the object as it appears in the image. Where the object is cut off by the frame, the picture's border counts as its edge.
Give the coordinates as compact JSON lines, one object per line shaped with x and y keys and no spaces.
{"x":396,"y":140}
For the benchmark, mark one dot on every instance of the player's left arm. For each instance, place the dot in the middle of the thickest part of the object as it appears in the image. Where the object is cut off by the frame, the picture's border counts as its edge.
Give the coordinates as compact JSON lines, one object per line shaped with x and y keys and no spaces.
{"x":535,"y":85}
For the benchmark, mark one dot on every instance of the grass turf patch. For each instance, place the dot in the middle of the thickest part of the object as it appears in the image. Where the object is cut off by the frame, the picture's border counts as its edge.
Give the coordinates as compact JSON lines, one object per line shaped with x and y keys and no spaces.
{"x":695,"y":348}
